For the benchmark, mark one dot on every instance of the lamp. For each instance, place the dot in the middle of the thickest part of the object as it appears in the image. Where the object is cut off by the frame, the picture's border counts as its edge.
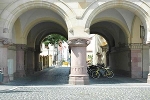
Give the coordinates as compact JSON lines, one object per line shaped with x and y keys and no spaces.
{"x":142,"y":32}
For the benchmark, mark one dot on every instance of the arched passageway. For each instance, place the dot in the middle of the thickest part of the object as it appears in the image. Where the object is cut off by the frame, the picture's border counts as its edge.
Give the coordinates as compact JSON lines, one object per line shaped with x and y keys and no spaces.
{"x":30,"y":28}
{"x":125,"y":40}
{"x":34,"y":39}
{"x":117,"y":46}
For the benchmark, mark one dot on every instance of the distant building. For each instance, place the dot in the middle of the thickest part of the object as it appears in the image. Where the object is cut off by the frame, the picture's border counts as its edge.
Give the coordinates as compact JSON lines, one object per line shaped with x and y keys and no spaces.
{"x":57,"y":54}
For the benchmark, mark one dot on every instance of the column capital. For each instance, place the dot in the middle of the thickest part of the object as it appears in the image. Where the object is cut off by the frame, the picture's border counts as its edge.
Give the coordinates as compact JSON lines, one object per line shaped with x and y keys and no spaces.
{"x":5,"y":41}
{"x":78,"y":42}
{"x":138,"y":46}
{"x":21,"y":47}
{"x":135,"y":45}
{"x":31,"y":49}
{"x":12,"y":47}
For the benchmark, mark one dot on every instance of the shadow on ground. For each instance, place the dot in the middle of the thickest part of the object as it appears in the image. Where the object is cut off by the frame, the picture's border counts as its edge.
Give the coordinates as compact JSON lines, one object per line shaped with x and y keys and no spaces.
{"x":60,"y":76}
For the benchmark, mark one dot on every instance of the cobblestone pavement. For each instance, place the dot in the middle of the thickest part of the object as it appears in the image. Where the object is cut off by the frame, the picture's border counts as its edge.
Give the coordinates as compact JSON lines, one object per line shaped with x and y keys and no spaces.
{"x":52,"y":84}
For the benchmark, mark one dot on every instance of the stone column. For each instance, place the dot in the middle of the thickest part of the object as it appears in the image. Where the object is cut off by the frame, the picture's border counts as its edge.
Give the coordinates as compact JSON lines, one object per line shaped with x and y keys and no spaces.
{"x":30,"y":61}
{"x":20,"y":65}
{"x":78,"y":75}
{"x":41,"y":60}
{"x":136,"y":60}
{"x":37,"y":62}
{"x":4,"y":43}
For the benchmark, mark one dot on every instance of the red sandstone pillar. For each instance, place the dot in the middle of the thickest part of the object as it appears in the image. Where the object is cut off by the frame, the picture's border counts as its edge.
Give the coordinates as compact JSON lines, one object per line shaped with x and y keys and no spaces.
{"x":4,"y":43}
{"x":136,"y":65}
{"x":37,"y":57}
{"x":78,"y":75}
{"x":30,"y":61}
{"x":20,"y":66}
{"x":3,"y":63}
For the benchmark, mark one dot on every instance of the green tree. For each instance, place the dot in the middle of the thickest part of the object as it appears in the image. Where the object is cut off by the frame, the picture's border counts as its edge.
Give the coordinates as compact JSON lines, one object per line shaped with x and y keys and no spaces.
{"x":53,"y":39}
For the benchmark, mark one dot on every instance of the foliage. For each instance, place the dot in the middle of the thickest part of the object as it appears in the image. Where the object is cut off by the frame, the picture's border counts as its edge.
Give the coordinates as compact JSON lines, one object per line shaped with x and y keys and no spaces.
{"x":53,"y":39}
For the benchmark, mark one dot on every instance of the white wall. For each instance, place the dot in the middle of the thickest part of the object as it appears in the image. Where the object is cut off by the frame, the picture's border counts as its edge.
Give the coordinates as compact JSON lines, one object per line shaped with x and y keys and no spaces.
{"x":11,"y":63}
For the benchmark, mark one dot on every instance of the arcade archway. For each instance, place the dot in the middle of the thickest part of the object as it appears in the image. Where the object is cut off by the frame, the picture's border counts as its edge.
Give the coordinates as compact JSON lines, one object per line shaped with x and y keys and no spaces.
{"x":125,"y":40}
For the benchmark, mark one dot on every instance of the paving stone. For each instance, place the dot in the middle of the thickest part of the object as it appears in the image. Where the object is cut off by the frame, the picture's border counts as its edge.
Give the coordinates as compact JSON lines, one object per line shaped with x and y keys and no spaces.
{"x":52,"y":84}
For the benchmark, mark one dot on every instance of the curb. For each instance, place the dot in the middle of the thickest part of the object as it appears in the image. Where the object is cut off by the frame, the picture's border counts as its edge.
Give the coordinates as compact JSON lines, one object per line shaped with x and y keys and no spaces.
{"x":8,"y":89}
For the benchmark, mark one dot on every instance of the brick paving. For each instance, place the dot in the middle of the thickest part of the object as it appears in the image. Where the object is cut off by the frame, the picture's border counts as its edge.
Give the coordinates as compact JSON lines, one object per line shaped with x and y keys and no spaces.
{"x":52,"y":84}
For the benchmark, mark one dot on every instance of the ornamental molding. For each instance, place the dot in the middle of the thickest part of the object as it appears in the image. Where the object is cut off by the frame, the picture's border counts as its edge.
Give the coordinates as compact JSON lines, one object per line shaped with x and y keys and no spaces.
{"x":21,"y":47}
{"x":5,"y":30}
{"x":71,"y":30}
{"x":130,"y":46}
{"x":31,"y":49}
{"x":6,"y":41}
{"x":12,"y":47}
{"x":135,"y":45}
{"x":87,"y":30}
{"x":78,"y":42}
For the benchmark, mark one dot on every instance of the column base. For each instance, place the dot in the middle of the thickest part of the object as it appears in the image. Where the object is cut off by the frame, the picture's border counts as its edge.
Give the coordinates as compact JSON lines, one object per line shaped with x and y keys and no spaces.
{"x":11,"y":77}
{"x":6,"y":79}
{"x":79,"y":79}
{"x":19,"y":74}
{"x":29,"y":72}
{"x":148,"y":79}
{"x":1,"y":83}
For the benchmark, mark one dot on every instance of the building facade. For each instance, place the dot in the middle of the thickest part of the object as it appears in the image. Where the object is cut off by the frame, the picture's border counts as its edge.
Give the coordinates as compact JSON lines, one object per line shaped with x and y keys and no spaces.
{"x":125,"y":25}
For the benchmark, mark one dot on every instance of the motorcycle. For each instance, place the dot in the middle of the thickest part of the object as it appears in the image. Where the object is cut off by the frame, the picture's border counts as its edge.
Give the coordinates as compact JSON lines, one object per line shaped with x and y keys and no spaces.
{"x":95,"y":71}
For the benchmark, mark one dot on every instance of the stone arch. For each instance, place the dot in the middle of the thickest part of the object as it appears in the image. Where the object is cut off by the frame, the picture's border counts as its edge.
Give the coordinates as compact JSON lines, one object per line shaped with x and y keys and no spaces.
{"x":42,"y":33}
{"x":12,"y":12}
{"x":107,"y":32}
{"x":40,"y":20}
{"x":36,"y":34}
{"x":117,"y":22}
{"x":110,"y":40}
{"x":136,"y":9}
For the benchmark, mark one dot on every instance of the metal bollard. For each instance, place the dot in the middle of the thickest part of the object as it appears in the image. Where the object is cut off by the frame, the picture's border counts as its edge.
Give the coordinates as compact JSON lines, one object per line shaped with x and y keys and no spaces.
{"x":1,"y":76}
